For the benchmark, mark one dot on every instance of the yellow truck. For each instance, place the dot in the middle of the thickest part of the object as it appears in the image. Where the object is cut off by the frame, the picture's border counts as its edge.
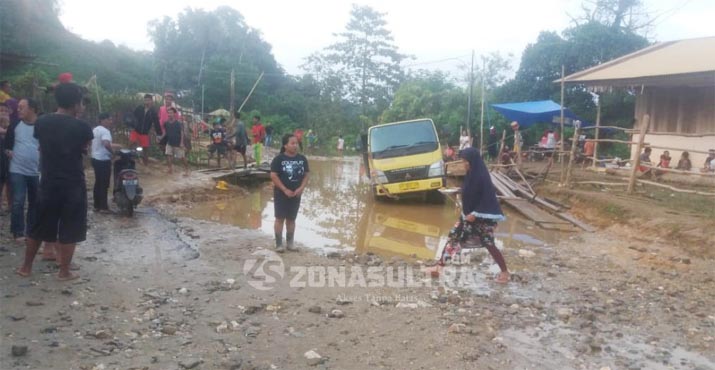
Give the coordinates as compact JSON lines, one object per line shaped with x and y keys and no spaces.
{"x":405,"y":158}
{"x":401,"y":230}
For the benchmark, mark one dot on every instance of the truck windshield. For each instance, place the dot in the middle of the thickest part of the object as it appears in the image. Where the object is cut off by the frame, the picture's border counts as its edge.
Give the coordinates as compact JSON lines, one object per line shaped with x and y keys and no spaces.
{"x":403,"y":139}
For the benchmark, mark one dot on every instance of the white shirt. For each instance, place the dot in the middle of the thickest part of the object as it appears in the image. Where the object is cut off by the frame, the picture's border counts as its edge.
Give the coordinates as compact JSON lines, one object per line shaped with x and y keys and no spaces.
{"x":99,"y":151}
{"x":341,"y":143}
{"x":551,"y":140}
{"x":463,"y":142}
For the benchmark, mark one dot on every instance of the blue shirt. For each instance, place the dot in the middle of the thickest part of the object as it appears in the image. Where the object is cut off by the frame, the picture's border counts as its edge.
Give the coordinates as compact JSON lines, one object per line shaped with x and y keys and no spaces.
{"x":26,"y":151}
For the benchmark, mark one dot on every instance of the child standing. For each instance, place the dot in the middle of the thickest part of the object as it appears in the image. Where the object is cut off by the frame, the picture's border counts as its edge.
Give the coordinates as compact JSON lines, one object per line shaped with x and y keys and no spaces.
{"x":174,"y":134}
{"x":341,"y":145}
{"x":684,"y":162}
{"x":218,"y":141}
{"x":289,"y":173}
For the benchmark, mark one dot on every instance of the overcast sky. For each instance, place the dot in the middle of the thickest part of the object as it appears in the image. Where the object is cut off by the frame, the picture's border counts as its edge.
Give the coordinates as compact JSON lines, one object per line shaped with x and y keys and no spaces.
{"x":432,"y":31}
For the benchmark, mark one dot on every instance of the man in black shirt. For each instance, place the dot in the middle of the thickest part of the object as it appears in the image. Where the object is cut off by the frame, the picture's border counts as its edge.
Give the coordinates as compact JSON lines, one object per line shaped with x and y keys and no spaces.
{"x":492,"y":144}
{"x":62,"y":199}
{"x":175,"y":141}
{"x":146,"y":117}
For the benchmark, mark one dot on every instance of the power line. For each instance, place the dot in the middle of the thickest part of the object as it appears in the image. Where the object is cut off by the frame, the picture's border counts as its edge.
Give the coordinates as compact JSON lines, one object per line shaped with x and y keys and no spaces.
{"x":671,"y":12}
{"x":437,"y":61}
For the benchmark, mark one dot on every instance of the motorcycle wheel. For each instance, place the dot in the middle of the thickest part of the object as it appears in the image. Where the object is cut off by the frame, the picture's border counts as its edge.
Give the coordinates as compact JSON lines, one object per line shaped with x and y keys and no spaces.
{"x":130,"y":209}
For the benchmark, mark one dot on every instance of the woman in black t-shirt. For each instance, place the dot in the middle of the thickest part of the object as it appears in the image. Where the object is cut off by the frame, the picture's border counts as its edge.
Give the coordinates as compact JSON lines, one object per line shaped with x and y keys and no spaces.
{"x":289,"y":173}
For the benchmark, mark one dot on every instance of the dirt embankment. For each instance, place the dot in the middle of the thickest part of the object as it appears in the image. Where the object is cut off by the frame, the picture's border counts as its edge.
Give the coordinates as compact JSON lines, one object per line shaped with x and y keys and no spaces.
{"x":685,"y":221}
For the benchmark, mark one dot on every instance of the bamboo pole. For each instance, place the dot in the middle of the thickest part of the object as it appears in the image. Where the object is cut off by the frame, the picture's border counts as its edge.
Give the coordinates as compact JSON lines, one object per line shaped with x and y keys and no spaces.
{"x":501,"y":145}
{"x":250,"y":92}
{"x":469,"y":102}
{"x":481,"y":118}
{"x":677,"y":190}
{"x":679,"y":149}
{"x":601,"y":183}
{"x":96,"y":91}
{"x":523,"y":179}
{"x":637,"y":160}
{"x":619,"y":141}
{"x":683,"y":135}
{"x":674,"y":170}
{"x":561,"y":134}
{"x":518,"y":141}
{"x":611,"y":128}
{"x":598,"y":124}
{"x":232,"y":103}
{"x":572,"y":156}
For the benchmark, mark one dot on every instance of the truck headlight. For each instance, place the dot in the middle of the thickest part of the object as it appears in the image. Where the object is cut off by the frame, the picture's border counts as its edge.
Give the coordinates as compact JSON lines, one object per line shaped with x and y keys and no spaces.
{"x":436,"y":169}
{"x":379,"y":177}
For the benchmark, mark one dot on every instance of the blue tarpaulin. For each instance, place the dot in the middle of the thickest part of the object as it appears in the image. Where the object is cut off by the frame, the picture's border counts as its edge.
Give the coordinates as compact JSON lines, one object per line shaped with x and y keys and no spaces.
{"x":531,"y":112}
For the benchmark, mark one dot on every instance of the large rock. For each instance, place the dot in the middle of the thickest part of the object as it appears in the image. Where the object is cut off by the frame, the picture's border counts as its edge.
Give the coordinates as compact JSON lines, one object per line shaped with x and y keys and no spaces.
{"x":336,"y":314}
{"x":315,"y":309}
{"x":457,"y":328}
{"x":314,"y":359}
{"x":190,"y":364}
{"x":19,"y":351}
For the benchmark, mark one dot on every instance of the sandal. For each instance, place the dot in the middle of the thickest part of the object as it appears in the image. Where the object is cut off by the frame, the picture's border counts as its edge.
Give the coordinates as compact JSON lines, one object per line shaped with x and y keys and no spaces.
{"x":22,"y":274}
{"x":503,"y":278}
{"x":68,"y":277}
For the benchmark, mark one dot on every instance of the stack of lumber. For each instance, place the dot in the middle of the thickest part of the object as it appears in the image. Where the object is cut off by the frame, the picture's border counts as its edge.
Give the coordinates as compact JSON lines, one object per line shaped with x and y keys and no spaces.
{"x":542,"y":211}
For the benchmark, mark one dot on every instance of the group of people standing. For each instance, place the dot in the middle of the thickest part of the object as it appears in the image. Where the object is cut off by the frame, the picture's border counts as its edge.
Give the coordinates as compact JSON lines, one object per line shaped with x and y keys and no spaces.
{"x":232,"y":138}
{"x":170,"y":132}
{"x":45,"y":169}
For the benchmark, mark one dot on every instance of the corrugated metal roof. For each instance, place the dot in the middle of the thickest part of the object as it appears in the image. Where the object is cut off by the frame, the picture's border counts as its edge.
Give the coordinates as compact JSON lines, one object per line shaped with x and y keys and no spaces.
{"x":672,"y":58}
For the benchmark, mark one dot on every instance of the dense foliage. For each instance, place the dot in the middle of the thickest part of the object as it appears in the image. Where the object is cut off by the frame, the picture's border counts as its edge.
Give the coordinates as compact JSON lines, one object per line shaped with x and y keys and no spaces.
{"x":356,"y":81}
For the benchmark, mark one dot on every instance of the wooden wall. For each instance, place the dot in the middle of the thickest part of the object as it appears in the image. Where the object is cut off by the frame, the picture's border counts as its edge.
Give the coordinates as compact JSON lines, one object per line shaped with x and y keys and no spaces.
{"x":678,"y":110}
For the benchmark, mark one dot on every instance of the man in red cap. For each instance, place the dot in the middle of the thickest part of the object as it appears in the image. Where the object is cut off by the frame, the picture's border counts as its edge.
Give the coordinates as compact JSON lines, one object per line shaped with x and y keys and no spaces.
{"x":65,"y":78}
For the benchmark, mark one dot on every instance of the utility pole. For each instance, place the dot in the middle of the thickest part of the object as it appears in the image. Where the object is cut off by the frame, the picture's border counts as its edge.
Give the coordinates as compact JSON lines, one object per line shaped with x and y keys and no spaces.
{"x":469,"y":102}
{"x":233,"y":91}
{"x":481,"y":119}
{"x":203,"y":90}
{"x":561,"y":134}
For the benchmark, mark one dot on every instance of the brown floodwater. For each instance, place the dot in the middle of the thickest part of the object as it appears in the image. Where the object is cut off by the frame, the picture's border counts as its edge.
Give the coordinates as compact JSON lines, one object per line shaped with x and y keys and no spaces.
{"x":338,"y":213}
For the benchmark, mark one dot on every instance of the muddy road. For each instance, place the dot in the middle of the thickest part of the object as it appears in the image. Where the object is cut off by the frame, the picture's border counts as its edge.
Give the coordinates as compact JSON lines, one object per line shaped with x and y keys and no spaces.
{"x":338,"y":214}
{"x":190,"y":283}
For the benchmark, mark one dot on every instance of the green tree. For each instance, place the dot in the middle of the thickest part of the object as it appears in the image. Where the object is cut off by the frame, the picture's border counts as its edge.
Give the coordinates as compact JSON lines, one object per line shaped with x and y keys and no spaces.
{"x":199,"y":49}
{"x":433,"y":95}
{"x":363,"y":65}
{"x":628,"y":15}
{"x":580,"y":47}
{"x":33,"y":38}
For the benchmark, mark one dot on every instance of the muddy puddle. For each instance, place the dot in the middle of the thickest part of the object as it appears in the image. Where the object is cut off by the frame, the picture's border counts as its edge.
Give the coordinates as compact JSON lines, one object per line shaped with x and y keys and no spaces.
{"x":338,"y":214}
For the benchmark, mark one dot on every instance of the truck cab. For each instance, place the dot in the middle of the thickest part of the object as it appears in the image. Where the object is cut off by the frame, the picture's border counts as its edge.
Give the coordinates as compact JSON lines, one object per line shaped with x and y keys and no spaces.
{"x":404,"y":158}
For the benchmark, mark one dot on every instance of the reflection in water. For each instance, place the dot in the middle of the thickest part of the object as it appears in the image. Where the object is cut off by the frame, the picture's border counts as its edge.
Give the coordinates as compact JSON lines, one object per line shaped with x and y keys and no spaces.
{"x":338,"y":213}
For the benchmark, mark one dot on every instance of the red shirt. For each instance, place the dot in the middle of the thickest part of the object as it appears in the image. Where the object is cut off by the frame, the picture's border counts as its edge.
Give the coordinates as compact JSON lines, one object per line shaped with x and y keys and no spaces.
{"x":589,"y":147}
{"x":298,"y":134}
{"x":258,"y":132}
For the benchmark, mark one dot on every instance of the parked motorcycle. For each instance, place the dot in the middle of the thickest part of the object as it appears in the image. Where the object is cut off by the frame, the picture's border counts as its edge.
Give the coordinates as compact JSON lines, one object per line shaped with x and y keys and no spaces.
{"x":127,"y":192}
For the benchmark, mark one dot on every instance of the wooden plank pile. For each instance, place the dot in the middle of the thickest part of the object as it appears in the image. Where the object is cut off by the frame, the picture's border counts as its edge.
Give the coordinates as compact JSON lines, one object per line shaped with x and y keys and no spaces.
{"x":542,"y":211}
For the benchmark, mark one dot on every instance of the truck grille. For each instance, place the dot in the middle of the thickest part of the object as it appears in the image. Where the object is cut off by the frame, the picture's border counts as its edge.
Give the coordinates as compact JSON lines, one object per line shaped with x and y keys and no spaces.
{"x":407,"y":174}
